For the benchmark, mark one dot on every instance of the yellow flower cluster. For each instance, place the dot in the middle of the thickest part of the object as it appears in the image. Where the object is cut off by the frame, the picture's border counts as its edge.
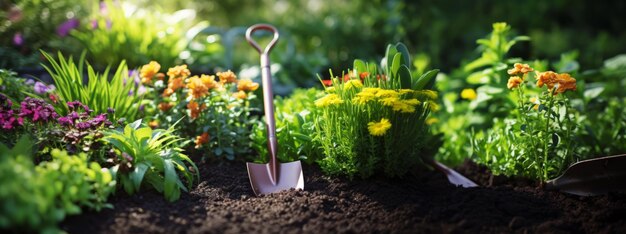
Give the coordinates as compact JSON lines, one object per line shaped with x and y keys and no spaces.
{"x":328,"y":100}
{"x":379,"y":128}
{"x":393,"y":99}
{"x":148,"y":71}
{"x":352,"y":84}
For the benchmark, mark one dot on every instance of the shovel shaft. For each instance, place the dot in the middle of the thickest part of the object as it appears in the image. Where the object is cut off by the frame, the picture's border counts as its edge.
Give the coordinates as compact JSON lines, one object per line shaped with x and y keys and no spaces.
{"x":268,"y":95}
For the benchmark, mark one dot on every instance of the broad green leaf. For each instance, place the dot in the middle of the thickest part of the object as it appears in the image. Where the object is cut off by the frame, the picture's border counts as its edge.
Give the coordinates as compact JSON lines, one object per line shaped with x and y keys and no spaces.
{"x":406,"y":56}
{"x":359,"y":66}
{"x":405,"y":77}
{"x":170,"y":186}
{"x":426,"y":81}
{"x":138,"y":173}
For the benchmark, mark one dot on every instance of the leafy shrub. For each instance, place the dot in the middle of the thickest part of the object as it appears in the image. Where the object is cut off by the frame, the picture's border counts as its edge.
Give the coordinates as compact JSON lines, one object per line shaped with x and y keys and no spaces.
{"x":144,"y":156}
{"x":216,"y":114}
{"x":295,"y":128}
{"x":101,"y":92}
{"x":37,"y":197}
{"x":14,"y":87}
{"x":376,"y":124}
{"x":538,"y":142}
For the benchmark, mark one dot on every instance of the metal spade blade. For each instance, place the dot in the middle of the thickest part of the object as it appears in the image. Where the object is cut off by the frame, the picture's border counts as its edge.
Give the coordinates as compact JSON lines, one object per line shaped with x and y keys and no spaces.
{"x":592,"y":177}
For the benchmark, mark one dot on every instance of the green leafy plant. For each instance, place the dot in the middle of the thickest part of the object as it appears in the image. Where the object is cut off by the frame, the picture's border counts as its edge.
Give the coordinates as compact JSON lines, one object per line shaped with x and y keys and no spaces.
{"x":37,"y":197}
{"x":100,"y":92}
{"x":538,"y":142}
{"x":377,"y":124}
{"x":144,"y":156}
{"x":295,"y":128}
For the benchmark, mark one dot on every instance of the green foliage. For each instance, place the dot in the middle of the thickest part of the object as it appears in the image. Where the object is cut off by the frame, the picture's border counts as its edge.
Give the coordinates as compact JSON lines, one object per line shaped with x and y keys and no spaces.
{"x":295,"y":128}
{"x":37,"y":197}
{"x":376,"y":125}
{"x":14,"y":87}
{"x":100,"y":92}
{"x":146,"y":156}
{"x":136,"y":35}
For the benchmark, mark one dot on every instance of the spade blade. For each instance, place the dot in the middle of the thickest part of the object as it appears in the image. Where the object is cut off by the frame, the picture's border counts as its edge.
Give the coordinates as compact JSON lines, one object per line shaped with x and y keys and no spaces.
{"x":592,"y":177}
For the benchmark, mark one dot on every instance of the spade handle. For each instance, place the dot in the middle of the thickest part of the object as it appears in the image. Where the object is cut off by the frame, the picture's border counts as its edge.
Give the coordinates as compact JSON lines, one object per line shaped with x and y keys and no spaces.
{"x":268,"y":95}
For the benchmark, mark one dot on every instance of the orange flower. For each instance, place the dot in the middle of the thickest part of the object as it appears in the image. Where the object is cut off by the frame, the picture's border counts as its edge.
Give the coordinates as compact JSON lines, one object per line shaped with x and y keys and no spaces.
{"x":514,"y":82}
{"x":176,"y":83}
{"x":178,"y":72}
{"x":566,"y":82}
{"x":195,"y":109}
{"x":247,"y":85}
{"x":202,"y":139}
{"x":153,"y":124}
{"x":208,"y":81}
{"x":364,"y":75}
{"x":196,"y":87}
{"x":148,"y":71}
{"x":167,"y":92}
{"x":519,"y":68}
{"x":240,"y":95}
{"x":165,"y":106}
{"x":160,"y":76}
{"x":227,"y":77}
{"x":548,"y":78}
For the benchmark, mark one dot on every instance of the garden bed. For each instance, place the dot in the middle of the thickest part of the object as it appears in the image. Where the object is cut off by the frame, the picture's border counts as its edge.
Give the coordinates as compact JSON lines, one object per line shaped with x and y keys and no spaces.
{"x":223,"y":202}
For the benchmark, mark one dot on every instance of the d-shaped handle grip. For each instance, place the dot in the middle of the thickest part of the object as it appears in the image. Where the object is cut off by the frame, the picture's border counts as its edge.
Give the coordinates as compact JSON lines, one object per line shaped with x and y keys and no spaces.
{"x":252,"y":42}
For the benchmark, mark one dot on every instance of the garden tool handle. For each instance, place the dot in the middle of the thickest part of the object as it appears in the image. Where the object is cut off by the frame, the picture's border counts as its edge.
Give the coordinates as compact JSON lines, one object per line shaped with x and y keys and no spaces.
{"x":268,"y":96}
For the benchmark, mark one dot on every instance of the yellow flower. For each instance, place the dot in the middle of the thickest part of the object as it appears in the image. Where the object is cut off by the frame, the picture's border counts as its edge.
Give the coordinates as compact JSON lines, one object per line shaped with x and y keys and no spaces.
{"x":328,"y":100}
{"x":389,"y":101}
{"x":227,"y":77}
{"x":514,"y":82}
{"x":427,"y":94}
{"x":202,"y":139}
{"x":178,"y":72}
{"x":433,"y":106}
{"x":405,"y":91}
{"x":363,"y":98}
{"x":413,"y":102}
{"x":403,"y":107}
{"x":208,"y":81}
{"x":352,"y":84}
{"x":196,"y":87}
{"x":247,"y":85}
{"x":548,"y":78}
{"x":148,"y":71}
{"x":373,"y":91}
{"x":330,"y":89}
{"x":431,"y":120}
{"x":240,"y":94}
{"x":468,"y":94}
{"x":520,"y":68}
{"x":379,"y":128}
{"x":387,"y":93}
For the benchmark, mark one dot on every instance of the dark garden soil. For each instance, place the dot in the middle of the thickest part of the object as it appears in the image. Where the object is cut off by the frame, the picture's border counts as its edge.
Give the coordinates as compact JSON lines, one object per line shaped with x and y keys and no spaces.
{"x":223,"y":203}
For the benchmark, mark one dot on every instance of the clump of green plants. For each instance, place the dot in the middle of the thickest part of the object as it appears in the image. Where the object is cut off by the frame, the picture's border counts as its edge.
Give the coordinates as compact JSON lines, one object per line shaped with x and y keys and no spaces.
{"x":117,"y":93}
{"x":143,"y":156}
{"x":37,"y":197}
{"x":216,"y":109}
{"x":537,"y":140}
{"x":373,"y":122}
{"x":295,"y":128}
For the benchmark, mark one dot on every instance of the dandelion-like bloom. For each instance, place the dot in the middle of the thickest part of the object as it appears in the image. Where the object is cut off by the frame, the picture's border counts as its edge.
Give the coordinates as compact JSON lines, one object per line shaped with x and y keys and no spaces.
{"x":247,"y":85}
{"x":433,"y":106}
{"x":403,"y":107}
{"x":389,"y":101}
{"x":227,"y":77}
{"x":566,"y":82}
{"x":405,"y":91}
{"x":202,"y":139}
{"x":427,"y":94}
{"x":548,"y":78}
{"x":514,"y":82}
{"x":165,"y":106}
{"x":387,"y":93}
{"x":195,"y":109}
{"x":379,"y":128}
{"x":196,"y":87}
{"x":468,"y":94}
{"x":148,"y":71}
{"x":328,"y":100}
{"x":362,"y":98}
{"x":373,"y":91}
{"x":330,"y":89}
{"x":240,"y":94}
{"x":178,"y":72}
{"x":352,"y":84}
{"x":520,"y":68}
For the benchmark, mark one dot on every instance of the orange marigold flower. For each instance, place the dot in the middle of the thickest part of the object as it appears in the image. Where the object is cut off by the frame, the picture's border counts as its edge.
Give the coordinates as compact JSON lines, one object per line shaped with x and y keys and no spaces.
{"x":167,"y":92}
{"x":247,"y":85}
{"x":566,"y":82}
{"x":196,"y":87}
{"x":364,"y":75}
{"x":195,"y":109}
{"x":153,"y":124}
{"x":176,"y":83}
{"x":519,"y":68}
{"x":241,"y":95}
{"x":548,"y":78}
{"x":165,"y":106}
{"x":514,"y":82}
{"x":148,"y":71}
{"x":202,"y":139}
{"x":160,"y":76}
{"x":227,"y":77}
{"x":208,"y":81}
{"x":178,"y":72}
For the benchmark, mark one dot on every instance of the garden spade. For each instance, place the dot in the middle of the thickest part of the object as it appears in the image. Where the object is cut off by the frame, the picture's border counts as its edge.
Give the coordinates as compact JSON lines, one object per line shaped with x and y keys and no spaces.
{"x":453,"y":176}
{"x":273,"y":176}
{"x":592,"y":177}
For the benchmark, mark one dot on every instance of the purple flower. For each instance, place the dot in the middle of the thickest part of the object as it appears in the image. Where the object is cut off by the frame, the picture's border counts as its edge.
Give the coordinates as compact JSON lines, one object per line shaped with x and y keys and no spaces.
{"x":30,"y":82}
{"x":36,"y":109}
{"x":67,"y":26}
{"x":76,"y":104}
{"x":142,"y":89}
{"x":83,"y":125}
{"x":110,"y":110}
{"x":41,"y":88}
{"x":98,"y":120}
{"x":65,"y":121}
{"x":18,"y":39}
{"x":7,"y":118}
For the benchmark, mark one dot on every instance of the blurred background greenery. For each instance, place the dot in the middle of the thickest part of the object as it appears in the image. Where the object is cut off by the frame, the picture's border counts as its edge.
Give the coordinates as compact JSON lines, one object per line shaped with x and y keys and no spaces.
{"x":316,"y":34}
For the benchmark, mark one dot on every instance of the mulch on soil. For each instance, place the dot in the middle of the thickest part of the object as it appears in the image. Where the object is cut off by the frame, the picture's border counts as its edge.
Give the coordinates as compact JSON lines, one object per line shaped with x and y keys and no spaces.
{"x":223,"y":202}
